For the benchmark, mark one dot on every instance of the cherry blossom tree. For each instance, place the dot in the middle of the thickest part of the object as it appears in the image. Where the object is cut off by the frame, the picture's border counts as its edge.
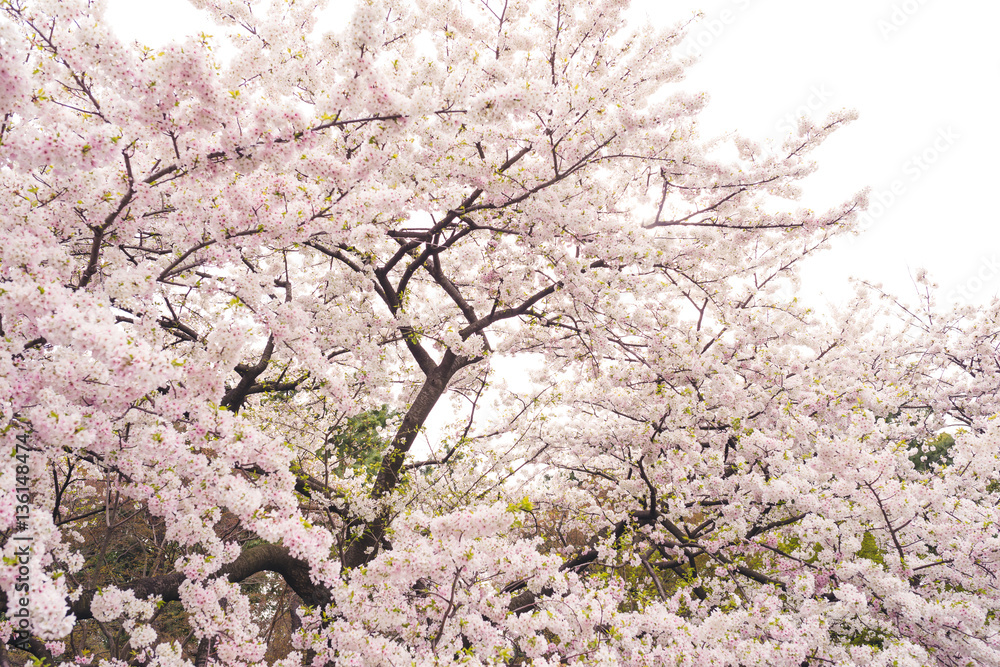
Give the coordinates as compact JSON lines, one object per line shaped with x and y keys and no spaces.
{"x":238,"y":275}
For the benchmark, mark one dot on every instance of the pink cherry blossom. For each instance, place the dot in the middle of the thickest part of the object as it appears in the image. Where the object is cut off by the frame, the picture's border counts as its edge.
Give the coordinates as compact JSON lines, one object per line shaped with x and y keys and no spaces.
{"x":446,"y":339}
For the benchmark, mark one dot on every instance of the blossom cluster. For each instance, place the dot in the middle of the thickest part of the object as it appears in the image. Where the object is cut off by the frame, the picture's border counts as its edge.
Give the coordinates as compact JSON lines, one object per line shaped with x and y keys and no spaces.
{"x":445,"y":338}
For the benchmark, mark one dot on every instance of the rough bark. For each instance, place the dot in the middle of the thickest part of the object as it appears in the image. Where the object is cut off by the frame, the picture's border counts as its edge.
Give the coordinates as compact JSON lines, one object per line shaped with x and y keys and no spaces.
{"x":364,"y":548}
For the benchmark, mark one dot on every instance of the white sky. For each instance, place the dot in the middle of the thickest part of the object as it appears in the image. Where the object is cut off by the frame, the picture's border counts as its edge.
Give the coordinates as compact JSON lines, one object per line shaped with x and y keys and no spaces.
{"x":922,"y":73}
{"x":913,"y":70}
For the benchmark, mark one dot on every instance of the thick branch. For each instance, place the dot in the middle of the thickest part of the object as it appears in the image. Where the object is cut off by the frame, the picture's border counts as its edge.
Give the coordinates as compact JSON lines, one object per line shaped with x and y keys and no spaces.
{"x":266,"y":557}
{"x":235,"y":397}
{"x":364,"y":548}
{"x":98,"y":230}
{"x":507,"y":313}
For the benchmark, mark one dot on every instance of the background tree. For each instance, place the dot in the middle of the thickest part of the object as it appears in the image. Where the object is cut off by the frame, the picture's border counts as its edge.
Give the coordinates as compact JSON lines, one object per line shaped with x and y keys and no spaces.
{"x":224,"y":285}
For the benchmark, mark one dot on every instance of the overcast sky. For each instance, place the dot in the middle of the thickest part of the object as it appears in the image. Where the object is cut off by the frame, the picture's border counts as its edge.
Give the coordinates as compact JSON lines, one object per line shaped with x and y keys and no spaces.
{"x":922,"y":74}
